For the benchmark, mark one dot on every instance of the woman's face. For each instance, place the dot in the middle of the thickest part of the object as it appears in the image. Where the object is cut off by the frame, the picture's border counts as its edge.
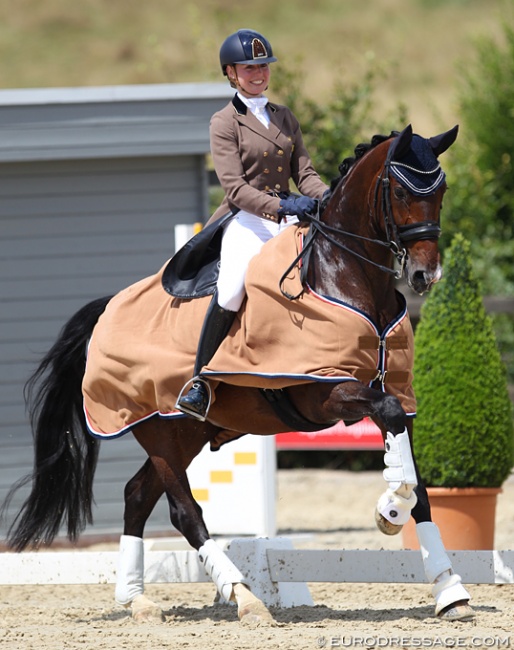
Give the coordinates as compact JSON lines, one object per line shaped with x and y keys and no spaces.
{"x":251,"y":80}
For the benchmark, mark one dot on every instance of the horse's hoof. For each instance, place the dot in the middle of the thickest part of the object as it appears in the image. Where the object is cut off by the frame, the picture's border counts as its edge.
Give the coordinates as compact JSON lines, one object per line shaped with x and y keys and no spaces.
{"x":256,"y":615}
{"x":385,"y":526}
{"x":146,"y":611}
{"x":459,"y":611}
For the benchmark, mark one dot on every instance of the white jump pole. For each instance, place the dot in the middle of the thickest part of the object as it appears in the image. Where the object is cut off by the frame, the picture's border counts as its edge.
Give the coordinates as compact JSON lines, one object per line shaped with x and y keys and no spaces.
{"x":271,"y":565}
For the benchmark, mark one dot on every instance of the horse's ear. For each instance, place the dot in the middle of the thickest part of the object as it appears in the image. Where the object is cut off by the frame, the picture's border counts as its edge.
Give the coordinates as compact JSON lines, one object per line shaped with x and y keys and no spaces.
{"x":440,"y":143}
{"x":401,"y":144}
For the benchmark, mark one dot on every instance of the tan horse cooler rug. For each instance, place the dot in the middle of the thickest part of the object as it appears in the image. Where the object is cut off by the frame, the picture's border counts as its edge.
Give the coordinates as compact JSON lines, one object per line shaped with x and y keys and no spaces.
{"x":143,"y":347}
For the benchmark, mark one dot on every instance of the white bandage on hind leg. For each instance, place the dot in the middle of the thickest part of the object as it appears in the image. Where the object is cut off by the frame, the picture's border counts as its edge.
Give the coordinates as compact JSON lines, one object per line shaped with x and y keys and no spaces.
{"x":448,"y":588}
{"x":130,"y":573}
{"x":395,"y":507}
{"x":399,"y":461}
{"x":220,"y":568}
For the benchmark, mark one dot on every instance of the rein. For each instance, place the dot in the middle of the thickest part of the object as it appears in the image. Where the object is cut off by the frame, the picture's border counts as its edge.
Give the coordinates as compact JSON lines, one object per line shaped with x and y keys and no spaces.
{"x":318,"y":227}
{"x":396,"y":236}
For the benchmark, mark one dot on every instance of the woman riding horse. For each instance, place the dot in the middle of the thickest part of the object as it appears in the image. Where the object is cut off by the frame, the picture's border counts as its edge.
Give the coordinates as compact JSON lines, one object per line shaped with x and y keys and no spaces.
{"x":256,"y":147}
{"x":333,"y":282}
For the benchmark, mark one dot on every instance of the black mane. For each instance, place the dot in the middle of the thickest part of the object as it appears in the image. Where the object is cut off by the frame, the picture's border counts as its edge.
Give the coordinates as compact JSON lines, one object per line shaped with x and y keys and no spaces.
{"x":359,"y":151}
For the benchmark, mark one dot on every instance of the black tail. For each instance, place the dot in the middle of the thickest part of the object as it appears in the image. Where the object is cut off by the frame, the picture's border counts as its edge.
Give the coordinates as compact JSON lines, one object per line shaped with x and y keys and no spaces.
{"x":65,"y":455}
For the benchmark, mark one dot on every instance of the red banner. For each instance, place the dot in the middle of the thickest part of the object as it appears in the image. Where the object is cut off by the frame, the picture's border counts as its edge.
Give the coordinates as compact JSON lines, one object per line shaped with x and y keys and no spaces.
{"x":362,"y":435}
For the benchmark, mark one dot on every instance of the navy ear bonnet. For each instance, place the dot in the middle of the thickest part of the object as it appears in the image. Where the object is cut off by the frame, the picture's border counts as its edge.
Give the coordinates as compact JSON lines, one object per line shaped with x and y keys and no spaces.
{"x":419,"y":170}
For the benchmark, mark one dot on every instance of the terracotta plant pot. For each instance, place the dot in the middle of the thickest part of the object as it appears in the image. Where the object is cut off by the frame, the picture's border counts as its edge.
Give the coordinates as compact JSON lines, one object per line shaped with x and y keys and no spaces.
{"x":465,"y":517}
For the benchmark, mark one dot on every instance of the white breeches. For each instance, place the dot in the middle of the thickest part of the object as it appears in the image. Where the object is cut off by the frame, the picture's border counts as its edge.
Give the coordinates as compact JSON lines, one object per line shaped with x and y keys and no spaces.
{"x":243,"y":237}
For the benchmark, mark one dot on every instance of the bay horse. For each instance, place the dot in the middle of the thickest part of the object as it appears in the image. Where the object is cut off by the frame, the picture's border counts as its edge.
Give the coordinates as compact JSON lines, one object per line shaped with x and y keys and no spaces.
{"x":382,"y":220}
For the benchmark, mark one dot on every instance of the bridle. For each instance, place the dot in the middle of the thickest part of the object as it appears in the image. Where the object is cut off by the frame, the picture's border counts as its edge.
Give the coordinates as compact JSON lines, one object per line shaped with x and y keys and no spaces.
{"x":396,"y":236}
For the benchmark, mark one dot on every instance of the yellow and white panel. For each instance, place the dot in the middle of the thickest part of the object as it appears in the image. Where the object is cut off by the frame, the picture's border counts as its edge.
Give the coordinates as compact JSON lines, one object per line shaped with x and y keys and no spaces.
{"x":235,"y":486}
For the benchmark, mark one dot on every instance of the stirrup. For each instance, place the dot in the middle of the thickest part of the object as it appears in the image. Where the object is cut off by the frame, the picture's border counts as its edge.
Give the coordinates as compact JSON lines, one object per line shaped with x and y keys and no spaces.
{"x":184,"y":409}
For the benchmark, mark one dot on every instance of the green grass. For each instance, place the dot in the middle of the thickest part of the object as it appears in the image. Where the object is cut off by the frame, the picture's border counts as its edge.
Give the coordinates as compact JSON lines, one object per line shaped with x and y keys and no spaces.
{"x":415,"y":44}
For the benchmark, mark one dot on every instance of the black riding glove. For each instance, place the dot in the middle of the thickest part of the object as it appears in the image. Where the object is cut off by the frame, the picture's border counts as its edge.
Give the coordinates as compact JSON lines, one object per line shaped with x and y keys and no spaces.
{"x":297,"y":205}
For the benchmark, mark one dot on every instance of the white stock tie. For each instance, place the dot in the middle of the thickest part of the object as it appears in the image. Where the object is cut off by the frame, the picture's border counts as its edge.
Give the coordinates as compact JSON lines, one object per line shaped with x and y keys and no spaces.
{"x":258,"y":107}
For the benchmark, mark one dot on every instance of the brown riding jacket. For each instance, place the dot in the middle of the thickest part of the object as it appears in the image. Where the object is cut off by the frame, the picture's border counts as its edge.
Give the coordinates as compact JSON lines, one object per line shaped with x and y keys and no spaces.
{"x":254,"y":163}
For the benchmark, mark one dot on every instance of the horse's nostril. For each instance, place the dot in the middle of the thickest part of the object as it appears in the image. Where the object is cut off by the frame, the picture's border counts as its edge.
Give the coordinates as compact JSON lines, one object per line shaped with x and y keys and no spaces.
{"x":419,"y":276}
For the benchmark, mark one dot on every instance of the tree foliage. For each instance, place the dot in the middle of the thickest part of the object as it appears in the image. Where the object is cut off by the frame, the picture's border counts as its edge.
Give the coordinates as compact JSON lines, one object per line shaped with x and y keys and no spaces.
{"x":480,"y":200}
{"x":464,"y":431}
{"x":333,"y":128}
{"x":480,"y":203}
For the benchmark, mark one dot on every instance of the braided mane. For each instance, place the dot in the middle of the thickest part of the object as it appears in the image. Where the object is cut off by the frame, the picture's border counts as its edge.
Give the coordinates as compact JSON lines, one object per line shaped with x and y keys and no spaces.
{"x":359,"y":151}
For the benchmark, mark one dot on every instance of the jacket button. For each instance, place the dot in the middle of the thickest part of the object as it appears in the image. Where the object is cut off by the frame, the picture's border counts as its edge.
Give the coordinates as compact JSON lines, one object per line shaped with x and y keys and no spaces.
{"x":280,"y":152}
{"x":266,"y":189}
{"x":266,"y":171}
{"x":265,"y":154}
{"x":279,"y":169}
{"x":277,"y":186}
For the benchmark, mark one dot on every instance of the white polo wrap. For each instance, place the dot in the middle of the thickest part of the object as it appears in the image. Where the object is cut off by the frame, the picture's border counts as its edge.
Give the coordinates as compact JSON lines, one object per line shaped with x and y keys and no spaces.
{"x":435,"y":559}
{"x":399,"y":461}
{"x":130,"y":573}
{"x":448,"y":588}
{"x":220,"y":568}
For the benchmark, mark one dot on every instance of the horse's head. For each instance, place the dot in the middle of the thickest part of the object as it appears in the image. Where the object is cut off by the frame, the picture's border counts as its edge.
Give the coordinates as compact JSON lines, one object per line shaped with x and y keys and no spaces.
{"x":411,"y":185}
{"x":386,"y":201}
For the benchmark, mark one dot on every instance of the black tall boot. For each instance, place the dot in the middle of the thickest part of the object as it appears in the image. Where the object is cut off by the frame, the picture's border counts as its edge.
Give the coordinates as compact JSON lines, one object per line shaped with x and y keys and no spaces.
{"x":215,"y":327}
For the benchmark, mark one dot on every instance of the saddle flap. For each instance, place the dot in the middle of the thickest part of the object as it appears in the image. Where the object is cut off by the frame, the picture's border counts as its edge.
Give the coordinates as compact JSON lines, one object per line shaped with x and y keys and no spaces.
{"x":193,"y":271}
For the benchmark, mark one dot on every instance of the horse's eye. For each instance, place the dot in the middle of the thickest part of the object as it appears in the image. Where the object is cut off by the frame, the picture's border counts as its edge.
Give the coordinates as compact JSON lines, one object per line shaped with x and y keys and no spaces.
{"x":400,"y":193}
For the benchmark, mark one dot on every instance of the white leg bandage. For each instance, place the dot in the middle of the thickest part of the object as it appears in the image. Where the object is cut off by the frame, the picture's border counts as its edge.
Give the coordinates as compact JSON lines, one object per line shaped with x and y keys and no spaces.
{"x":220,"y":568}
{"x":448,"y":588}
{"x":130,"y":573}
{"x":399,"y":461}
{"x":396,"y":507}
{"x":435,"y":559}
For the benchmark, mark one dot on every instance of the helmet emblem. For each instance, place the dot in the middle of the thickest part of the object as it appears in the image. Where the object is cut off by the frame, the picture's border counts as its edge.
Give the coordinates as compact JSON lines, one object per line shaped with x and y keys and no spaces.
{"x":258,"y":49}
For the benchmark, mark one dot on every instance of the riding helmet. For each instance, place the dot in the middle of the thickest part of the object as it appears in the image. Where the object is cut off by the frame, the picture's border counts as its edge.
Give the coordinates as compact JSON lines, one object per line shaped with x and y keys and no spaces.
{"x":245,"y":46}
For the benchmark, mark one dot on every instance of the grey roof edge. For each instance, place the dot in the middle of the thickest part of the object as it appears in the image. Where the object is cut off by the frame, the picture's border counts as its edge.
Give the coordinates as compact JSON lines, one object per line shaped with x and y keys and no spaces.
{"x":126,"y":93}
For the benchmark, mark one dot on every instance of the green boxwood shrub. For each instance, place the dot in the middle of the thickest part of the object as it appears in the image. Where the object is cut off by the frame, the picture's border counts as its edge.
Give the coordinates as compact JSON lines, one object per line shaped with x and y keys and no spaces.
{"x":463,"y":433}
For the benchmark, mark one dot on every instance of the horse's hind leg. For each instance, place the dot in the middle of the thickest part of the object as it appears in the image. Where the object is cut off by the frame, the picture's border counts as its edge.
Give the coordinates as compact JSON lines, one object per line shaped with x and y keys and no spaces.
{"x":141,"y":495}
{"x":171,"y":446}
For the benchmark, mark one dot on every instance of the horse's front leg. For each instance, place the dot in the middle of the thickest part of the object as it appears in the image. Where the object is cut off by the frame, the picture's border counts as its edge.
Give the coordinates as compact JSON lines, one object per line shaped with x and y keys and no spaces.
{"x":349,"y":401}
{"x":396,"y":503}
{"x":451,"y":598}
{"x":352,"y":400}
{"x":407,"y":492}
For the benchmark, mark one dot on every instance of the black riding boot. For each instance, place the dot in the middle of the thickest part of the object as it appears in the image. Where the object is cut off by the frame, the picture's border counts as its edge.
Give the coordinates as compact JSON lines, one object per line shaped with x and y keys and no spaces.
{"x":215,"y":327}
